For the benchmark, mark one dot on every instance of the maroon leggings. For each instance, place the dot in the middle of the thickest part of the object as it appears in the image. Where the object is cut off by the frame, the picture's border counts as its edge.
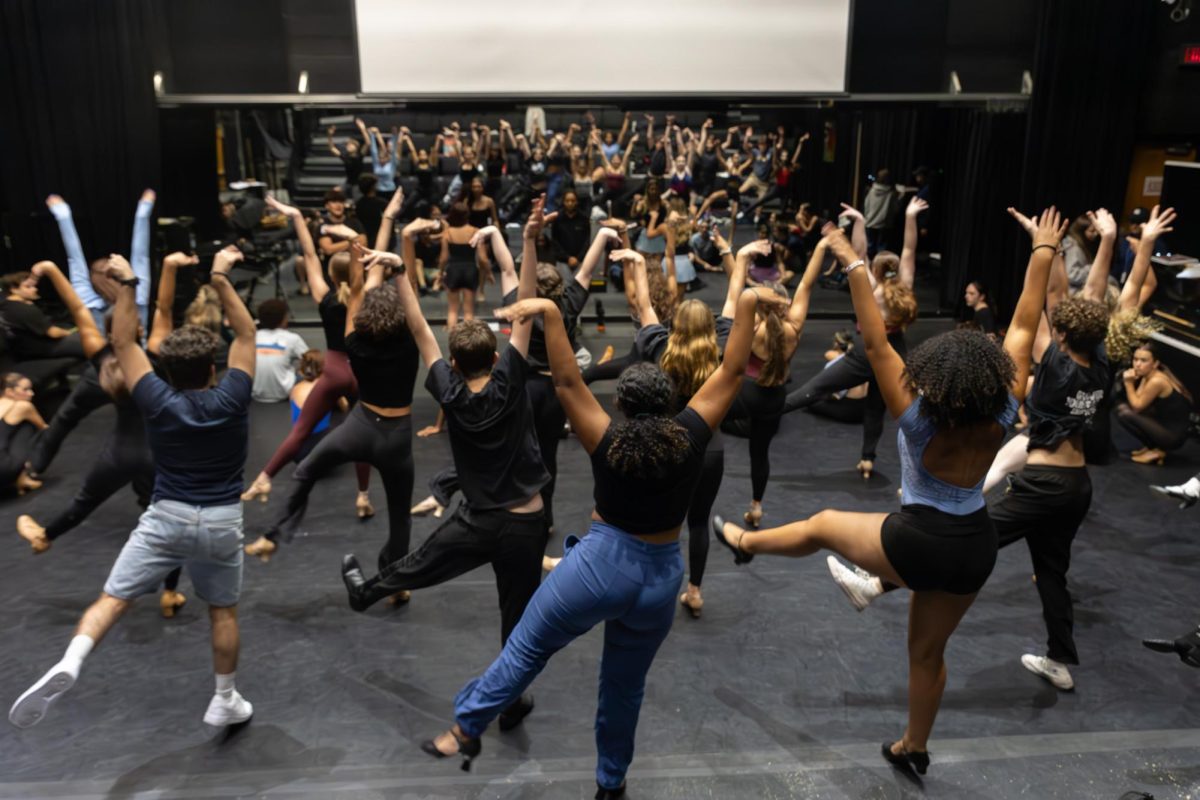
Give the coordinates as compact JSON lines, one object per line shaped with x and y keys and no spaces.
{"x":337,"y":380}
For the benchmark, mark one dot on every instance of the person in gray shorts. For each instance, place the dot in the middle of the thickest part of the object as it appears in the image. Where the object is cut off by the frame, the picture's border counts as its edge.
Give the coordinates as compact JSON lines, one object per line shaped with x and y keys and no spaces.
{"x":197,"y":431}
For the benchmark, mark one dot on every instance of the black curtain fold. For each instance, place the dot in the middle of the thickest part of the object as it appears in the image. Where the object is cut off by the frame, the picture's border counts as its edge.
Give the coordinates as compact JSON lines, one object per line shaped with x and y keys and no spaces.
{"x":79,"y":119}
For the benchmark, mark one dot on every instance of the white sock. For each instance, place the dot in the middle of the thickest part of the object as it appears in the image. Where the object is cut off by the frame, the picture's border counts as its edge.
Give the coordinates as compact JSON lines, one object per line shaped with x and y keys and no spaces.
{"x":77,"y":651}
{"x":225,"y":684}
{"x":1192,"y":487}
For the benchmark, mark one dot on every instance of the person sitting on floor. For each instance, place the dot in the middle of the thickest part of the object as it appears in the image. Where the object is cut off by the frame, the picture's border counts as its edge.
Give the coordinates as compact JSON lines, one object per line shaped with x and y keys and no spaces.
{"x":277,"y":353}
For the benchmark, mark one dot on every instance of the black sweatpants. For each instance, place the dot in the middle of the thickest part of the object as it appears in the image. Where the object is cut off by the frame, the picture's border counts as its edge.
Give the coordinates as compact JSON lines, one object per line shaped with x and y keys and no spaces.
{"x":699,"y":511}
{"x":124,"y":460}
{"x":383,"y":442}
{"x":1045,"y":506}
{"x":512,"y":543}
{"x":85,"y":398}
{"x":548,"y":419}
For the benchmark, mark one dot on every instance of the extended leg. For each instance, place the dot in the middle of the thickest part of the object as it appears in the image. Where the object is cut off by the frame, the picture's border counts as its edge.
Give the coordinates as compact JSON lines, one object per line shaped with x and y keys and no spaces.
{"x":85,"y":398}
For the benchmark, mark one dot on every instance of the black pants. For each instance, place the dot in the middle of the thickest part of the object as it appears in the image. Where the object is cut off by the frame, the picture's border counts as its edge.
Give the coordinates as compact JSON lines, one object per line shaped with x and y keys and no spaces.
{"x":850,"y":371}
{"x":1150,"y":431}
{"x":85,"y":398}
{"x":512,"y":543}
{"x":549,"y":419}
{"x":612,"y":369}
{"x":844,"y":410}
{"x":124,"y":460}
{"x":383,"y":442}
{"x":1045,"y":506}
{"x":66,"y":347}
{"x":699,"y":511}
{"x":763,"y":407}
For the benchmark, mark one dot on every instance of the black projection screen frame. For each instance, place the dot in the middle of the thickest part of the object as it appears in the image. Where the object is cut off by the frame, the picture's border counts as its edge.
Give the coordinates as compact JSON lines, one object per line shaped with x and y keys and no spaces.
{"x":566,"y":97}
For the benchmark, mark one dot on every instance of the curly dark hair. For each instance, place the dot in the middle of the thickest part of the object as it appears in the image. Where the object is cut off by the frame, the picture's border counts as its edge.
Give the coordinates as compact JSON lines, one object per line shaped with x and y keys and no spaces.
{"x":188,"y":355}
{"x":648,"y":443}
{"x":473,"y":348}
{"x":1082,"y":323}
{"x":963,"y":377}
{"x":381,"y":315}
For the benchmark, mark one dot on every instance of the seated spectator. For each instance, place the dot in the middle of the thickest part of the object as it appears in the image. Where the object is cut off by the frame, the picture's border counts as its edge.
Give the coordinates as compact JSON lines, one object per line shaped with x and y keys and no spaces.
{"x":1157,"y":409}
{"x":369,"y":208}
{"x":30,"y":331}
{"x":277,"y":353}
{"x":19,"y":421}
{"x":976,"y":298}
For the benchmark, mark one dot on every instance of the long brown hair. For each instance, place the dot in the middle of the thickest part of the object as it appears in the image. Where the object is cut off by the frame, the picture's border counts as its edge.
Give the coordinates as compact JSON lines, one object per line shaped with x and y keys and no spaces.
{"x":775,"y":368}
{"x":691,"y":355}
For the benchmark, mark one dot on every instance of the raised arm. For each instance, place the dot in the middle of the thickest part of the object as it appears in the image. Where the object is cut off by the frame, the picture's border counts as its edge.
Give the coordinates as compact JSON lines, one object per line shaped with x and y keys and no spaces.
{"x":362,"y":131}
{"x":1022,"y":330}
{"x":737,"y":276}
{"x":798,"y":310}
{"x":333,"y":148}
{"x":628,"y":152}
{"x":134,"y":363}
{"x":164,"y":304}
{"x":588,"y":419}
{"x":714,"y":398}
{"x":624,"y":129}
{"x":139,"y":250}
{"x":312,"y":264}
{"x":527,"y":286}
{"x":799,"y":149}
{"x":77,"y":265}
{"x":908,"y":254}
{"x":89,"y":335}
{"x":1097,"y":278}
{"x":241,"y":350}
{"x":885,"y":362}
{"x":1158,"y":224}
{"x":635,"y":273}
{"x":858,"y":234}
{"x":383,"y":237}
{"x":374,"y":263}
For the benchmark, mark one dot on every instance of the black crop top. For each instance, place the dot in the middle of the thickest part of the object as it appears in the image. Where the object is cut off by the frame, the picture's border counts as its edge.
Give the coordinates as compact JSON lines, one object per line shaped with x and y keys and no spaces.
{"x":386,"y":370}
{"x":460,"y":255}
{"x":333,"y":320}
{"x":1065,"y":396}
{"x":650,"y":505}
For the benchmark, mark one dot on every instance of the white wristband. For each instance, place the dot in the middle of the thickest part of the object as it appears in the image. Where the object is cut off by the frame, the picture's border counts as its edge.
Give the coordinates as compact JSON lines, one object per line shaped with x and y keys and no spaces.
{"x":853,"y":266}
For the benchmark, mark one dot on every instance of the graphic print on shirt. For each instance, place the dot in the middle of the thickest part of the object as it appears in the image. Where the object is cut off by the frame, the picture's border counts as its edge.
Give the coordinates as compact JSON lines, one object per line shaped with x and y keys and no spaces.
{"x":1083,"y":404}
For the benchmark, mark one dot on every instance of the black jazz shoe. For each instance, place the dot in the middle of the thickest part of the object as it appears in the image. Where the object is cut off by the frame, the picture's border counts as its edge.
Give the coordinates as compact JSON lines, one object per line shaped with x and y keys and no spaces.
{"x":906,"y":762}
{"x":740,"y":556}
{"x":512,"y":716}
{"x":609,"y":794}
{"x":467,"y":748}
{"x":352,"y":576}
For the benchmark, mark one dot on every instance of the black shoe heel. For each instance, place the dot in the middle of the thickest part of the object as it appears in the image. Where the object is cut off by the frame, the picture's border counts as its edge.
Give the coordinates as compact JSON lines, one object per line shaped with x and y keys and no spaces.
{"x":740,"y":556}
{"x":515,"y":714}
{"x":609,"y":794}
{"x":467,"y":748}
{"x":911,"y":763}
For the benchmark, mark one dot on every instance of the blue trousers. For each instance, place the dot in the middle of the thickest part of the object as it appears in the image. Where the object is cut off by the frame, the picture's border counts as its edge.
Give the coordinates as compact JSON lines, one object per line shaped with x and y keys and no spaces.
{"x":610,"y":577}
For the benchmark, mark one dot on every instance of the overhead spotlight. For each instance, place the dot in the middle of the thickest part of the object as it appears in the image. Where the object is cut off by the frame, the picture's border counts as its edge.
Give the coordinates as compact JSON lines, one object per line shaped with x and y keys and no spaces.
{"x":159,"y":91}
{"x":302,"y":87}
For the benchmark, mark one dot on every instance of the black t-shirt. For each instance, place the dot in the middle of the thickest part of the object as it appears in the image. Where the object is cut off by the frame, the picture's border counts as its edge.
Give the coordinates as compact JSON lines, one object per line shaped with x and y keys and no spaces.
{"x":369,"y":211}
{"x":985,"y":319}
{"x":386,"y":369}
{"x":424,"y":177}
{"x":572,"y":235}
{"x":1065,"y":396}
{"x":643,"y":505}
{"x":353,"y":164}
{"x":571,"y":304}
{"x":492,"y":435}
{"x":28,"y":325}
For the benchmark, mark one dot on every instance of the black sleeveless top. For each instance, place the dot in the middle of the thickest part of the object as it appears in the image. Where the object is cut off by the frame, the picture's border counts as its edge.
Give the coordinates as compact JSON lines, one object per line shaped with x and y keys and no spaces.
{"x":333,"y":320}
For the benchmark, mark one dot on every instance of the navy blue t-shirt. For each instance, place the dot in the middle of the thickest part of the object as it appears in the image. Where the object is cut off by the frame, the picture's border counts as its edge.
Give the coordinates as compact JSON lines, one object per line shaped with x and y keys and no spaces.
{"x":198,"y":438}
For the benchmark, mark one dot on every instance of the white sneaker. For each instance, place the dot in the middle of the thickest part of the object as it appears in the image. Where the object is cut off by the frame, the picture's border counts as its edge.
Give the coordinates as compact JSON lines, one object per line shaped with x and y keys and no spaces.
{"x":228,"y":710}
{"x":32,"y":706}
{"x":1051,"y":670}
{"x":859,"y":585}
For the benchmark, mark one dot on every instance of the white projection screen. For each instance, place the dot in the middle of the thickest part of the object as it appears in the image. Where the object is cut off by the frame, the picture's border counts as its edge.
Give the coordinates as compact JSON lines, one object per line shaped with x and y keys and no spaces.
{"x":602,"y":47}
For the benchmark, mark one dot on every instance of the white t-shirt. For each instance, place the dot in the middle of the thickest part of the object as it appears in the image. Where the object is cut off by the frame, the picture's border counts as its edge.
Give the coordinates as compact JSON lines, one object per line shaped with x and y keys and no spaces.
{"x":277,"y":351}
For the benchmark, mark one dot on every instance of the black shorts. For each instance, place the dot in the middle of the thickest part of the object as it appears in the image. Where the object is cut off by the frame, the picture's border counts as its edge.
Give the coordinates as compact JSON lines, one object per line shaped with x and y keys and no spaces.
{"x":461,"y":276}
{"x":935,"y":551}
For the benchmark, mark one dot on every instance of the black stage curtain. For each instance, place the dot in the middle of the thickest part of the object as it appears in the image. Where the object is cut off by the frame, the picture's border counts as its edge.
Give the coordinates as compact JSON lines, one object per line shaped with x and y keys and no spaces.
{"x":983,"y":176}
{"x":1088,"y":71}
{"x":79,"y":119}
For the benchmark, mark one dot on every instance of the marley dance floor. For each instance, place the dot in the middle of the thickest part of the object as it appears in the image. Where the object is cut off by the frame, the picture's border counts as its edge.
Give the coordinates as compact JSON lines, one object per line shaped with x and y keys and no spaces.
{"x":780,"y":690}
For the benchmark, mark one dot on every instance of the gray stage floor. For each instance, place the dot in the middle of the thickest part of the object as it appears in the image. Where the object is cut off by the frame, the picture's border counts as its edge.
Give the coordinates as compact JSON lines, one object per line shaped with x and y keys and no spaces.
{"x":780,"y":690}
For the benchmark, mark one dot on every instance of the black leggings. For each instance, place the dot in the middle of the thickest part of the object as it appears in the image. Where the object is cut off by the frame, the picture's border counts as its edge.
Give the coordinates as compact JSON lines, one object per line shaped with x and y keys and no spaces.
{"x":549,"y":419}
{"x":1150,"y":431}
{"x":762,"y":405}
{"x":85,"y":398}
{"x":611,"y":369}
{"x":698,"y":513}
{"x":383,"y":442}
{"x":512,"y":543}
{"x":850,"y":371}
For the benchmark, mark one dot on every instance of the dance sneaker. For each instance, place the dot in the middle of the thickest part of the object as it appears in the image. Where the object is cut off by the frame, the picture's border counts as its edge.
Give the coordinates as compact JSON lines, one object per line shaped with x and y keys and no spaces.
{"x":1187,"y":494}
{"x":32,"y":706}
{"x":1051,"y":670}
{"x":228,"y":709}
{"x":860,"y":586}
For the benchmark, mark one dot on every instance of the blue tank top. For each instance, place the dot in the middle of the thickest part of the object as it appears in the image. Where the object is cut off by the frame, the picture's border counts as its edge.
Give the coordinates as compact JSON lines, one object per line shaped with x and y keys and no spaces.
{"x":917,"y":485}
{"x":321,"y":427}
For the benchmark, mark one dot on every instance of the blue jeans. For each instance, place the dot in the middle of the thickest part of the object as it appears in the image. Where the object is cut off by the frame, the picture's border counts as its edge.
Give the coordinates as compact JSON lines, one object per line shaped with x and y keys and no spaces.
{"x":610,"y":577}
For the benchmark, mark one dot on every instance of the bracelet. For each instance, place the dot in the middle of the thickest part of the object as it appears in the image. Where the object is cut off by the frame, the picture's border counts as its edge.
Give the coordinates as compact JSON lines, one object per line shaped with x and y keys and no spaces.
{"x":1037,"y":247}
{"x":853,"y":266}
{"x":128,"y":281}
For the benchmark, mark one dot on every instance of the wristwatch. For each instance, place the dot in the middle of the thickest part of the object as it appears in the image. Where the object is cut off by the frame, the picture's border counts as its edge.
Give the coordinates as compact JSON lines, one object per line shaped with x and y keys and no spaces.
{"x":127,"y":281}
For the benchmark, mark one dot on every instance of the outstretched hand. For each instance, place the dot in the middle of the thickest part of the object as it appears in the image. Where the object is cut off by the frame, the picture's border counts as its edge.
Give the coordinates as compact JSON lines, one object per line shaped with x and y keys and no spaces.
{"x":851,"y":212}
{"x":1104,"y":223}
{"x":483,"y":233}
{"x":1158,"y":224}
{"x":223,"y":261}
{"x":118,"y":268}
{"x":840,"y":246}
{"x":341,"y":231}
{"x":394,"y":205}
{"x":769,"y":297}
{"x":524,"y":309}
{"x":286,"y":210}
{"x":1029,"y":224}
{"x":414,"y":228}
{"x":370,"y":258}
{"x":916,"y":206}
{"x":42,"y":268}
{"x":625,"y":254}
{"x":538,"y":218}
{"x":181,"y":259}
{"x":1050,"y":228}
{"x":760,"y":247}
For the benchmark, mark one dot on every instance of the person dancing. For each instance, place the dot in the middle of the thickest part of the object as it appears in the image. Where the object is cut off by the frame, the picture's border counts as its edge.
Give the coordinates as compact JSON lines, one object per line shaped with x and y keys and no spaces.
{"x":337,"y":379}
{"x":627,"y":570}
{"x":954,"y":400}
{"x":198,"y":435}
